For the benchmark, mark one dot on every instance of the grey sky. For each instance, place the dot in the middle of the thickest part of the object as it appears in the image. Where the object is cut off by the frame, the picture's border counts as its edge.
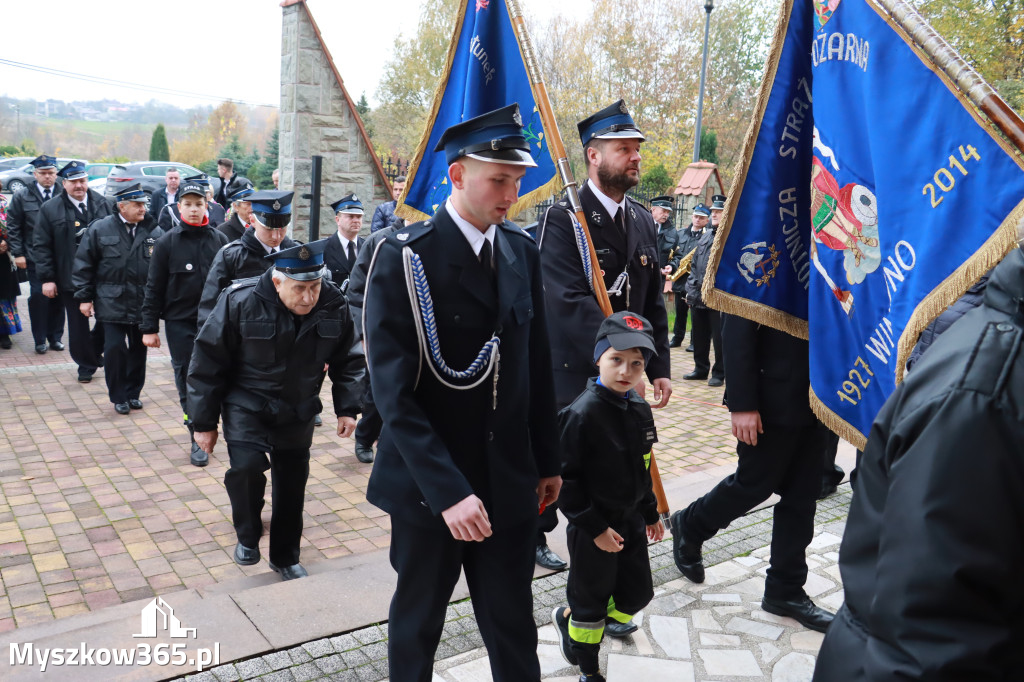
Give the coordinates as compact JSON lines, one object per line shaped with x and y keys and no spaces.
{"x":220,"y":48}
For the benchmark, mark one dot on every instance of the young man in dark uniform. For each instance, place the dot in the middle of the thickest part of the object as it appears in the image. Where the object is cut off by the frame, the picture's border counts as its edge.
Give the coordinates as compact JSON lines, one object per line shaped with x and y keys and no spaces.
{"x":111,"y":268}
{"x":177,"y":274}
{"x":465,"y":459}
{"x":235,"y":227}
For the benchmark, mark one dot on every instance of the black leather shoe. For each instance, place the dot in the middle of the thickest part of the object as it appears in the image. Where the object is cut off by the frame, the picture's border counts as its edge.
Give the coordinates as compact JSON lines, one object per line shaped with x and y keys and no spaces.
{"x":614,"y":628}
{"x":41,"y":348}
{"x":715,"y":381}
{"x":122,"y":408}
{"x":686,"y":553}
{"x":135,"y":404}
{"x":593,"y":677}
{"x":827,"y":489}
{"x":289,"y":572}
{"x":199,"y":458}
{"x":802,"y":610}
{"x":364,"y":453}
{"x":56,"y":345}
{"x":689,"y":349}
{"x":5,"y":342}
{"x":84,"y":376}
{"x":245,"y":556}
{"x":318,"y":421}
{"x":695,"y":376}
{"x":675,"y":343}
{"x":561,"y":623}
{"x":549,"y":560}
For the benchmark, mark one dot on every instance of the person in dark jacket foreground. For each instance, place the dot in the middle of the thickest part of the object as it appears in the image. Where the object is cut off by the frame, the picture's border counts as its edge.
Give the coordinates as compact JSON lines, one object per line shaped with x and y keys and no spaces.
{"x":933,"y":552}
{"x":111,"y":268}
{"x":177,"y":274}
{"x":705,"y":322}
{"x":607,"y":494}
{"x":258,"y":364}
{"x":780,"y":451}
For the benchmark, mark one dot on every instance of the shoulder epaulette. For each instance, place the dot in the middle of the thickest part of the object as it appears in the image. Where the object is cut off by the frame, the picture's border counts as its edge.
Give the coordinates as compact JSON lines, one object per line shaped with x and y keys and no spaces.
{"x":410,"y":233}
{"x":239,"y":284}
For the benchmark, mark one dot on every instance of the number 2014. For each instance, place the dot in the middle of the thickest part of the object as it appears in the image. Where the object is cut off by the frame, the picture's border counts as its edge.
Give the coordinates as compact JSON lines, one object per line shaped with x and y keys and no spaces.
{"x":944,"y":179}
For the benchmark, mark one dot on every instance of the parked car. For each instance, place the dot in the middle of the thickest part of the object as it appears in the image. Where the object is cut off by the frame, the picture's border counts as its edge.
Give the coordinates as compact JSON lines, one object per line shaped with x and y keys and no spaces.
{"x":98,"y":173}
{"x":14,"y":179}
{"x":14,"y":162}
{"x":150,"y":175}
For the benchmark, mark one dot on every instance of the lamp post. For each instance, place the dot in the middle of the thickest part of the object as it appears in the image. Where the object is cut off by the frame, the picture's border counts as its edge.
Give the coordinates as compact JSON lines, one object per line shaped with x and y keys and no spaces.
{"x":708,"y":6}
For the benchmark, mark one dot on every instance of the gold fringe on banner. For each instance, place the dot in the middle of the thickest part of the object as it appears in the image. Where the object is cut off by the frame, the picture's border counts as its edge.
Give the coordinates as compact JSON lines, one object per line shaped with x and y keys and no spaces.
{"x":408,"y":212}
{"x":531,"y":199}
{"x":716,"y":298}
{"x":835,"y":423}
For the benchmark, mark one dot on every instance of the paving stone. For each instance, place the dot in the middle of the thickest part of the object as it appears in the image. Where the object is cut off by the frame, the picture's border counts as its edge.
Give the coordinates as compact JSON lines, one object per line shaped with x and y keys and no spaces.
{"x":670,"y":603}
{"x":749,"y":627}
{"x":816,"y":585}
{"x":478,"y":670}
{"x":672,"y":635}
{"x":748,"y":561}
{"x":750,"y":586}
{"x":330,"y":664}
{"x":547,"y":634}
{"x":768,"y":652}
{"x":784,"y":621}
{"x":642,"y":644}
{"x":622,"y":668}
{"x":254,"y":667}
{"x":343,"y":643}
{"x":702,"y":619}
{"x":833,"y":602}
{"x":727,"y":610}
{"x":306,"y":672}
{"x":806,"y":640}
{"x":793,"y":667}
{"x":727,"y":598}
{"x":226,"y":673}
{"x":825,"y":540}
{"x":718,"y":639}
{"x":729,"y":662}
{"x":318,"y":648}
{"x":550,"y":658}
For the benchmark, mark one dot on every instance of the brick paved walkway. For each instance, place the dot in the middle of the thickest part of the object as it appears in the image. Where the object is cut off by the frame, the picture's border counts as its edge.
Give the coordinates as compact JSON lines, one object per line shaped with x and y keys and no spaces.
{"x":99,"y":509}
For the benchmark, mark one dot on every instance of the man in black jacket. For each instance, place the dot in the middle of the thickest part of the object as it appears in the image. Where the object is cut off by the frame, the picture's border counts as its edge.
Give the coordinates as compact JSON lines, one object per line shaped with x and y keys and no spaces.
{"x":235,"y":227}
{"x":626,"y":241}
{"x":247,"y":257}
{"x":46,"y":314}
{"x":168,"y":195}
{"x":464,"y":460}
{"x":780,"y":448}
{"x":63,"y":222}
{"x":688,"y":240}
{"x":343,"y":247}
{"x":259,"y":364}
{"x":706,"y":322}
{"x":111,"y":267}
{"x":177,"y":274}
{"x":933,"y":551}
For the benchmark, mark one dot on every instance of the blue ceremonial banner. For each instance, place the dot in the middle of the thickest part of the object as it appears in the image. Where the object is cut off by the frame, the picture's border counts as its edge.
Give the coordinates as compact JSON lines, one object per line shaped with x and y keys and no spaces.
{"x":904,"y":195}
{"x":484,"y":71}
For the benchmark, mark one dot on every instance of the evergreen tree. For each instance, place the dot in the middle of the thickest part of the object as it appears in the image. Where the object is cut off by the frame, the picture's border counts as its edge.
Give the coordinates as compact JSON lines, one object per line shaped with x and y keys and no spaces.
{"x":709,"y":146}
{"x":158,"y":149}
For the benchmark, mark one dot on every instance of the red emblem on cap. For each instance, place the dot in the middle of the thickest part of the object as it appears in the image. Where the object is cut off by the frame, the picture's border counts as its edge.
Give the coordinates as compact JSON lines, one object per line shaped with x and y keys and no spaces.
{"x":632,"y":322}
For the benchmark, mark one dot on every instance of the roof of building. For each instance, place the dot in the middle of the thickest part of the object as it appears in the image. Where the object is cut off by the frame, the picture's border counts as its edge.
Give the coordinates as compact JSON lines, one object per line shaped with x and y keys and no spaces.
{"x":695,"y":178}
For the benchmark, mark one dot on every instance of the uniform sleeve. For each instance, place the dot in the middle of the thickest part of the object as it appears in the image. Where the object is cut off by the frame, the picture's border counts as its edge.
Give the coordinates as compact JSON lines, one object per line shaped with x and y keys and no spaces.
{"x":677,"y":257}
{"x":210,"y":368}
{"x":156,"y":286}
{"x":543,"y":415}
{"x":739,"y":346}
{"x":346,"y":368}
{"x":357,"y":280}
{"x":166,"y":219}
{"x":83,"y":273}
{"x":573,"y":500}
{"x":16,"y":226}
{"x":42,"y":248}
{"x":394,"y":363}
{"x":218,"y":278}
{"x":948,"y":586}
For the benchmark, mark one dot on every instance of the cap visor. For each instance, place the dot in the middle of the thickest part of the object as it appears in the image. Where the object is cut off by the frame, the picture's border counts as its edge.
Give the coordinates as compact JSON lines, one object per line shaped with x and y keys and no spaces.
{"x":305,"y":276}
{"x":627,"y":340}
{"x":635,"y":134}
{"x":512,"y":157}
{"x":352,"y":211}
{"x":198,"y":193}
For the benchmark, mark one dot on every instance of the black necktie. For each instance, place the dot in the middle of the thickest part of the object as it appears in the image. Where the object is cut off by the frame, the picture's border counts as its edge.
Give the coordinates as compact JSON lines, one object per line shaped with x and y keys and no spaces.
{"x":351,"y":254}
{"x":131,"y":229}
{"x":620,"y":220}
{"x":485,"y":261}
{"x":46,"y":195}
{"x":81,"y":208}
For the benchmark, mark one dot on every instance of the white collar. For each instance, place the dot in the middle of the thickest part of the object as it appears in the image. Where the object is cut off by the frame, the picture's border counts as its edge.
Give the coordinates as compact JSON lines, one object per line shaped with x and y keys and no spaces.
{"x":608,"y":204}
{"x":474,"y":236}
{"x":268,"y":249}
{"x":43,"y":190}
{"x":345,"y":242}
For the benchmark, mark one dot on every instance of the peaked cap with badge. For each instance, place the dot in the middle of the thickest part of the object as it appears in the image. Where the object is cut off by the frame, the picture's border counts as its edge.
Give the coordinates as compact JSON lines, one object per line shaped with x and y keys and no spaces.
{"x":74,"y":170}
{"x":718,"y":202}
{"x":494,"y":137}
{"x":349,"y":203}
{"x":614,"y":121}
{"x":43,"y":162}
{"x":664,"y":201}
{"x":132,"y":193}
{"x":240,"y":192}
{"x":272,"y":207}
{"x":304,"y":262}
{"x":701,"y":209}
{"x":194,"y":184}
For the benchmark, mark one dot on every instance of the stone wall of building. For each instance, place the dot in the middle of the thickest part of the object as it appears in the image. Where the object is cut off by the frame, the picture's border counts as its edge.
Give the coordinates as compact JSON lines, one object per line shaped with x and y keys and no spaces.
{"x":318,"y":118}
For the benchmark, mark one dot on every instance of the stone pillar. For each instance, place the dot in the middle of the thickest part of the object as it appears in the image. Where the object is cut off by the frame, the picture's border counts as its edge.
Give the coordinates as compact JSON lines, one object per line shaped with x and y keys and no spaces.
{"x":317,"y":117}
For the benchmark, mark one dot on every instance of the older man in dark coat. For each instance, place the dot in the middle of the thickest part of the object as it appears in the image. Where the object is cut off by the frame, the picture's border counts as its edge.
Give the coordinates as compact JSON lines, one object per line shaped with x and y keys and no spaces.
{"x":933,"y":551}
{"x":465,"y":459}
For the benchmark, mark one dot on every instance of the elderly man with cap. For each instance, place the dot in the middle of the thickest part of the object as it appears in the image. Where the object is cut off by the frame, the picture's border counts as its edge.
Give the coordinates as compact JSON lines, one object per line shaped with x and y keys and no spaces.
{"x":341,"y":251}
{"x":111,"y":268}
{"x":247,"y":257}
{"x":688,"y":240}
{"x":706,"y":322}
{"x":468,"y":453}
{"x":626,"y":241}
{"x":241,"y":213}
{"x":178,"y":270}
{"x":258,"y":364}
{"x":47,"y":315}
{"x":63,"y":222}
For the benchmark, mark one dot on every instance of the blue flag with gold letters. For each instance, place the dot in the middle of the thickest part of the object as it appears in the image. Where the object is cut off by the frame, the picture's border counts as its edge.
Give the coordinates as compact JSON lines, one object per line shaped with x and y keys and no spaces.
{"x":872,"y":194}
{"x":484,"y":72}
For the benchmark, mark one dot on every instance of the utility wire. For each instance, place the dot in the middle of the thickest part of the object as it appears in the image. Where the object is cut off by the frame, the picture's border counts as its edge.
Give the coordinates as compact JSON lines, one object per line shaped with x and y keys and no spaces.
{"x":125,"y":84}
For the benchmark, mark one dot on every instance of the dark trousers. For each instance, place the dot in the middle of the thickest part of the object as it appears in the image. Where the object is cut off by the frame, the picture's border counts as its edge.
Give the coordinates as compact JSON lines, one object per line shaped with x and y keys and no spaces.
{"x":546,"y":523}
{"x":370,"y":422}
{"x":787,"y":461}
{"x":181,"y":336}
{"x":682,"y":308}
{"x":604,"y":584}
{"x":85,"y":342}
{"x":46,"y":314}
{"x":706,"y":329}
{"x":124,"y":359}
{"x":832,"y":474}
{"x":246,"y":482}
{"x":499,"y":572}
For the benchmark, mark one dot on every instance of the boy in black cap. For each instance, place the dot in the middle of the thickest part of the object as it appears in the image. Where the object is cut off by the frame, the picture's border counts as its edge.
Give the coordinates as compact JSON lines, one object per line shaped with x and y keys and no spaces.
{"x":607,"y":435}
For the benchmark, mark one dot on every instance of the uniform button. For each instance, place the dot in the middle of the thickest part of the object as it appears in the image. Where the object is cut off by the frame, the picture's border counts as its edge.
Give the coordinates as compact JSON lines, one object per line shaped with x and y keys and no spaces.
{"x":566,"y":365}
{"x":1004,"y":327}
{"x":458,"y":319}
{"x":490,"y":435}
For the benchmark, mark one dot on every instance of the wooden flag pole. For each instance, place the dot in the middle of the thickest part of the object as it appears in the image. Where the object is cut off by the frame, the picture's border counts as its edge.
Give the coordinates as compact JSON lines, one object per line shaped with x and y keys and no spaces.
{"x":557,"y":149}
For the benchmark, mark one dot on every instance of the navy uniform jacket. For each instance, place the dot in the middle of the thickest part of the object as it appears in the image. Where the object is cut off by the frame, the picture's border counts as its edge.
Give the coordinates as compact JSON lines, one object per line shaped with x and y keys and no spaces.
{"x":439,"y":445}
{"x":573,"y":313}
{"x":111,"y":268}
{"x":23,"y":216}
{"x":260,"y":367}
{"x":668,"y":243}
{"x":688,"y":240}
{"x":337,"y":259}
{"x":233,"y":229}
{"x":58,"y":234}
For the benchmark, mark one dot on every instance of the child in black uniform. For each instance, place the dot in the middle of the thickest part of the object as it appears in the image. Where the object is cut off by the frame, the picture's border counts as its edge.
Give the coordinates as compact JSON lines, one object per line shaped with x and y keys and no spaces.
{"x":607,"y":434}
